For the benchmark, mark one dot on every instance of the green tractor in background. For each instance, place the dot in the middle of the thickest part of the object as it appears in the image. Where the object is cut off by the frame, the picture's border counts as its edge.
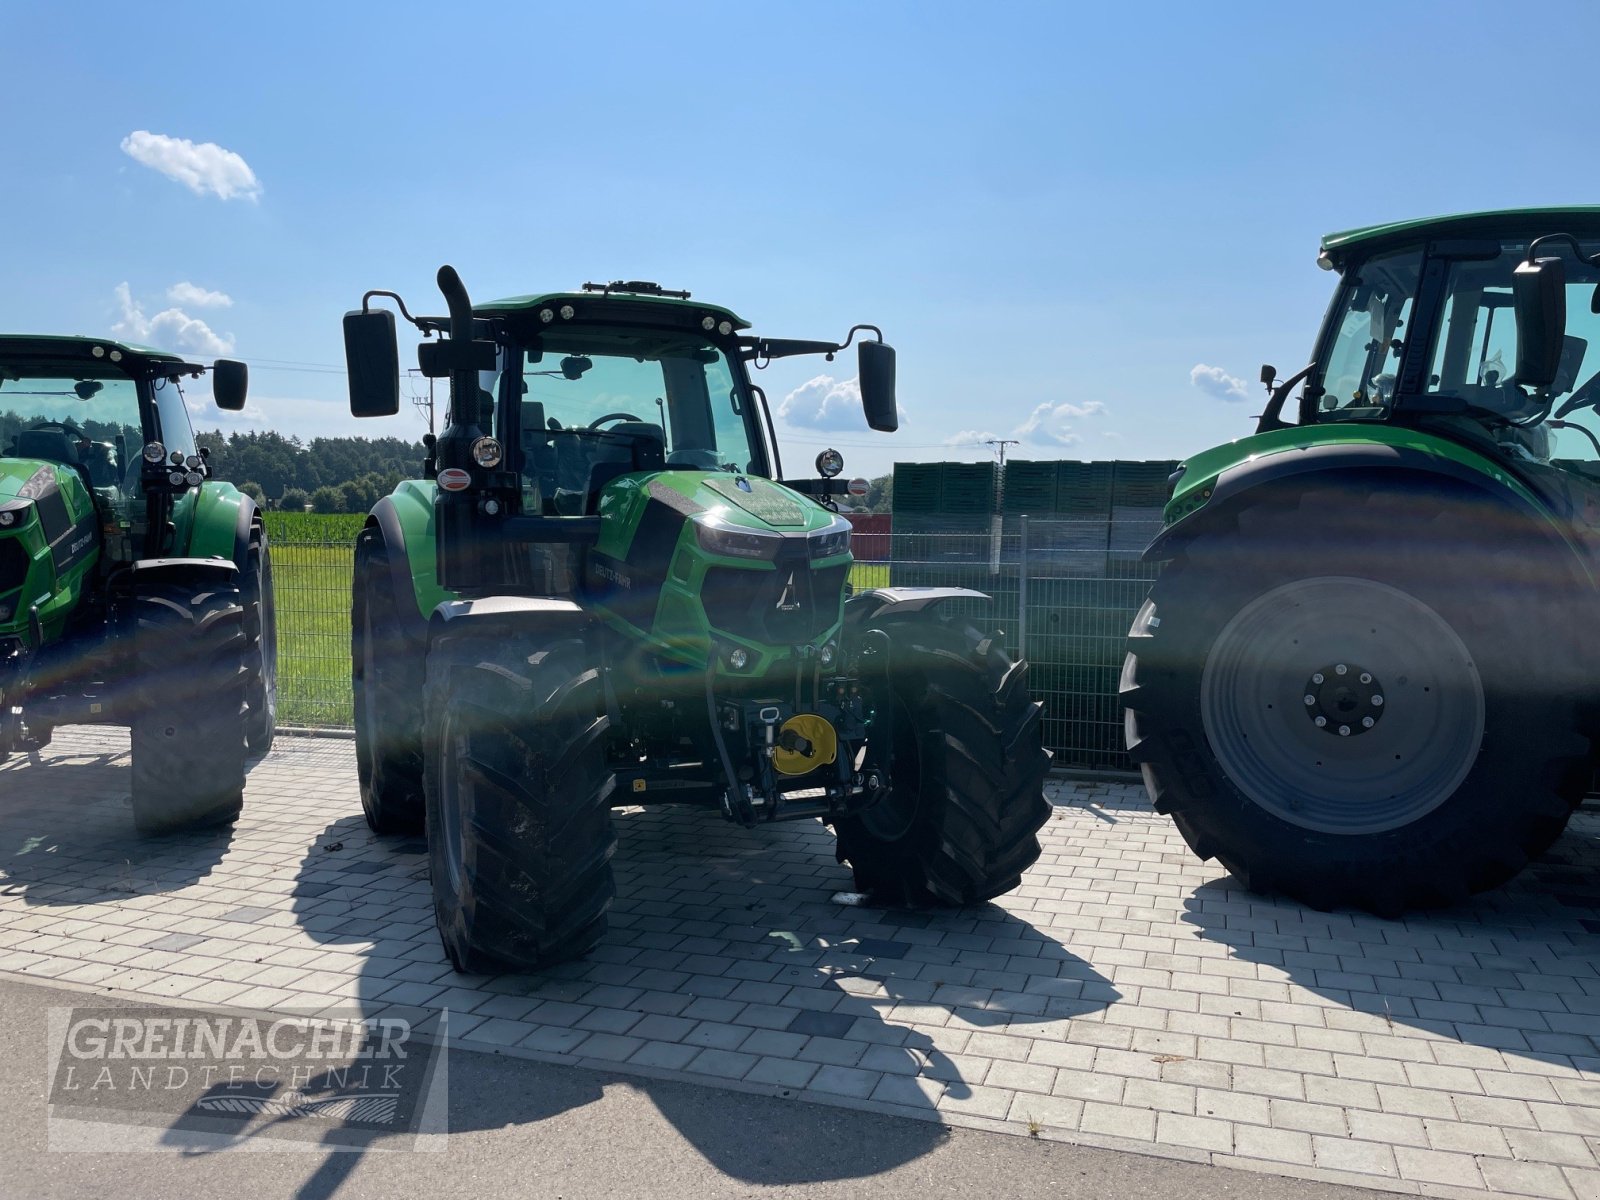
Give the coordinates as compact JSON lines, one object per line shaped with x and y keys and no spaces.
{"x":134,"y":589}
{"x":1367,"y":675}
{"x":601,"y":594}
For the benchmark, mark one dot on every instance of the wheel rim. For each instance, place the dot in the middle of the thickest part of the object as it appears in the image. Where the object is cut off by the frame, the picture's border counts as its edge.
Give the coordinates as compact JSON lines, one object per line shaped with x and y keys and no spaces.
{"x":1273,"y":704}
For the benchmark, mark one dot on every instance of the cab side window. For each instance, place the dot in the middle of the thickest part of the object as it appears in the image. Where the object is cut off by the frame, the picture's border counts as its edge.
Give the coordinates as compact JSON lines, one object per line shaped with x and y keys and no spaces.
{"x":172,"y":415}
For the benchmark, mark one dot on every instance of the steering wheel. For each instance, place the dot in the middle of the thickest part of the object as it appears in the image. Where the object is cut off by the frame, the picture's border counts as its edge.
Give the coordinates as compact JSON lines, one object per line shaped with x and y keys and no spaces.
{"x":71,"y":427}
{"x":618,"y":416}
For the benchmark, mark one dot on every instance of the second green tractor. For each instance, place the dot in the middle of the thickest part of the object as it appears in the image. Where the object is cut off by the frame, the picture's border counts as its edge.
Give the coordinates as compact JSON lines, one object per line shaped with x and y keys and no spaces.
{"x":603,"y":592}
{"x":1367,"y":674}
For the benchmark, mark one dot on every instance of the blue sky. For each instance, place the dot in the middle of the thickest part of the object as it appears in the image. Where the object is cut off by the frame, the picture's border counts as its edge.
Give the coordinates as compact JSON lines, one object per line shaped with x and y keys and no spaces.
{"x":1056,"y":212}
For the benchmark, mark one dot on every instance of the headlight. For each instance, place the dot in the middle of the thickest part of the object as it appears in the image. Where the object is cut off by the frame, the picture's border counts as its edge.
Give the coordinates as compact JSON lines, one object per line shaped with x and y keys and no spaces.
{"x":486,"y":453}
{"x":154,"y":453}
{"x":14,"y":513}
{"x":192,"y":463}
{"x":829,"y":463}
{"x":194,"y":479}
{"x":734,"y":541}
{"x":830,"y":542}
{"x":175,"y":478}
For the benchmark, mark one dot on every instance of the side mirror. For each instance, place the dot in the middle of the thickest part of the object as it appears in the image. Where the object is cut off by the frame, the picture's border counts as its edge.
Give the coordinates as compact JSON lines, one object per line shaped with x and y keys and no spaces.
{"x":1269,"y":375}
{"x":875,"y":374}
{"x":230,"y":381}
{"x":1539,"y":296}
{"x":372,"y":361}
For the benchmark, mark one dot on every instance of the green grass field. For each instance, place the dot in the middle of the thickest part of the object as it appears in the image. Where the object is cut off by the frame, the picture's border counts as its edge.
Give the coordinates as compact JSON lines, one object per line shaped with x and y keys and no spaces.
{"x":313,"y":558}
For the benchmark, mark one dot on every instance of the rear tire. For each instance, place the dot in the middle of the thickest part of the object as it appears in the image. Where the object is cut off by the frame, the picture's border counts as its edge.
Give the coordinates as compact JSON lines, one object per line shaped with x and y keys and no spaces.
{"x":189,"y":721}
{"x":1475,"y":755}
{"x":518,"y":801}
{"x":966,"y":804}
{"x":261,"y":645}
{"x":386,"y":675}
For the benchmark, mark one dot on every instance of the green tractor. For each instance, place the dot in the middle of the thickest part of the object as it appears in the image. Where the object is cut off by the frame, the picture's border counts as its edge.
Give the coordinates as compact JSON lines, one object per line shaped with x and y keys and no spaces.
{"x":601,"y":594}
{"x":134,"y":589}
{"x":1365,"y":676}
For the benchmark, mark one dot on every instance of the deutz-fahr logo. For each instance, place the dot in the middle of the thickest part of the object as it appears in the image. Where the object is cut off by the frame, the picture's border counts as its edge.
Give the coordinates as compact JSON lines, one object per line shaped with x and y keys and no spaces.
{"x":610,"y":573}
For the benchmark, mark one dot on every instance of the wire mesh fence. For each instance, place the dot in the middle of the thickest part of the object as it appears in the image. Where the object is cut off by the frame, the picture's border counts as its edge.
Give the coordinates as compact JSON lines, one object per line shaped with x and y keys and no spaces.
{"x":1062,"y":591}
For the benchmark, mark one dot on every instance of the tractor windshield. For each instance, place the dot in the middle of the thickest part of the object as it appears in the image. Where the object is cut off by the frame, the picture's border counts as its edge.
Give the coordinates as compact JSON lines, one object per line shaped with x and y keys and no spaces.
{"x":89,"y":424}
{"x":1470,"y":354}
{"x":586,"y":394}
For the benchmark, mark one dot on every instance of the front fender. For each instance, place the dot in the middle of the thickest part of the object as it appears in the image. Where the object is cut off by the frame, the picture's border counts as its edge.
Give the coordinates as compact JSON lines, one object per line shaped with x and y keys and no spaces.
{"x":405,"y":519}
{"x":221,"y":525}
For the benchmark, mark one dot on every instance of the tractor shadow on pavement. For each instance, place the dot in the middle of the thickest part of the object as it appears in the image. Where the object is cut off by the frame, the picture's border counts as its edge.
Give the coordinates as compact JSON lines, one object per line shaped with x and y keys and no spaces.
{"x":67,"y":836}
{"x":728,"y":957}
{"x":1515,"y":970}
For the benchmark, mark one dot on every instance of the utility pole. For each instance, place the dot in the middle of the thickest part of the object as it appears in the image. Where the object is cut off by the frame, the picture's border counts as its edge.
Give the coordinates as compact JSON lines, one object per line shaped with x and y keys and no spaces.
{"x":1000,"y":444}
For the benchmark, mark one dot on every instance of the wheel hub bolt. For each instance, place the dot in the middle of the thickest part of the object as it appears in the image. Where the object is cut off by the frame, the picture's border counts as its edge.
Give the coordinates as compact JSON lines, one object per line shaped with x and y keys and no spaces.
{"x":1378,"y":700}
{"x":1321,"y":721}
{"x":1344,"y":731}
{"x":1366,"y":722}
{"x":1310,"y":700}
{"x":1318,"y":678}
{"x":1340,"y":669}
{"x":1365,"y":677}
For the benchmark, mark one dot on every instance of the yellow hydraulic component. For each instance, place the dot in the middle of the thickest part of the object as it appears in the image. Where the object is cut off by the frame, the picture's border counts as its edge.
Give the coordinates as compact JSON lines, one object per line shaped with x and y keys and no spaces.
{"x":801,"y":733}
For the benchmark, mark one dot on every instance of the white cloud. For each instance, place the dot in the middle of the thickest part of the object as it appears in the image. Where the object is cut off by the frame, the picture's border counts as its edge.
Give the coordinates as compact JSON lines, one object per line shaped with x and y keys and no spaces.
{"x":971,"y":437}
{"x":171,"y":328}
{"x":1049,"y":424}
{"x":201,"y":167}
{"x":196,"y":296}
{"x":1216,"y":382}
{"x":824,"y":403}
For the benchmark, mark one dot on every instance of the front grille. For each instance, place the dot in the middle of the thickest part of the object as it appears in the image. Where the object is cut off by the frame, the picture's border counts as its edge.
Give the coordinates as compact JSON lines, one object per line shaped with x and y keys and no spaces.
{"x":786,"y":606}
{"x":13,"y":564}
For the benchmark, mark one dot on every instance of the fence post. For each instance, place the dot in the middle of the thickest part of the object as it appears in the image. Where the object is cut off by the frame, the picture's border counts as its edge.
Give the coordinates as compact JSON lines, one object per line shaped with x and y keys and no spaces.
{"x":1022,"y":590}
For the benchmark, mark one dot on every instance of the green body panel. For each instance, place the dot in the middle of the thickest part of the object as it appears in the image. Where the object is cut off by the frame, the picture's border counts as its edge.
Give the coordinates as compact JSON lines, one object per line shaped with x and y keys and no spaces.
{"x":513,"y":304}
{"x":679,"y":628}
{"x":56,"y":593}
{"x":206,"y":520}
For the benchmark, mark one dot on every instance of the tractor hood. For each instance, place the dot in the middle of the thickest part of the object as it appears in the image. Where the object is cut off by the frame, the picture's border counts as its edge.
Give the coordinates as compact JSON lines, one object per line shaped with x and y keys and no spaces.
{"x":26,"y":477}
{"x":693,"y":560}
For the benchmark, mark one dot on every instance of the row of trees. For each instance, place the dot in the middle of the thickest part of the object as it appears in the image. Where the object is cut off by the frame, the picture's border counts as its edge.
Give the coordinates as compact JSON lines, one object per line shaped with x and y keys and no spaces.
{"x":278,"y":465}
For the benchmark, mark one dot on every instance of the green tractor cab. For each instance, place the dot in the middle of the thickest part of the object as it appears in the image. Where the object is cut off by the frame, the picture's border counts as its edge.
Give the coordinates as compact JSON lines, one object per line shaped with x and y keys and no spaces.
{"x":134,"y":589}
{"x":604,"y":592}
{"x":1364,"y":677}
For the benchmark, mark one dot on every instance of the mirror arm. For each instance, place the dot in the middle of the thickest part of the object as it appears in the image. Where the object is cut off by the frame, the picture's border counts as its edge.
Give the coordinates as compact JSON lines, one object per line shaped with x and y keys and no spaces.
{"x":1269,"y":419}
{"x":855,"y":329}
{"x":395,"y":296}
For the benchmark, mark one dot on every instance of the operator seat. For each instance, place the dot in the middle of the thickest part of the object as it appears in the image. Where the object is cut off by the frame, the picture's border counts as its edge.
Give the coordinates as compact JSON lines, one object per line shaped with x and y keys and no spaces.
{"x":646,"y":451}
{"x":54,"y":445}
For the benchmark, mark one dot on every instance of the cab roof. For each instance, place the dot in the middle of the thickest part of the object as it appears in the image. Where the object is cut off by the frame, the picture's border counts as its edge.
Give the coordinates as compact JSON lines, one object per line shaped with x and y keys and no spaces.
{"x":58,"y":350}
{"x":1584,"y":218}
{"x":585,"y":303}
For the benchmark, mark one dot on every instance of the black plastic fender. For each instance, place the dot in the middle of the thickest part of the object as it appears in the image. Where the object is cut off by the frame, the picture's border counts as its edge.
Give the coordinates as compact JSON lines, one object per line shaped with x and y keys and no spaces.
{"x":895,"y":600}
{"x":149,"y":571}
{"x":547,"y":616}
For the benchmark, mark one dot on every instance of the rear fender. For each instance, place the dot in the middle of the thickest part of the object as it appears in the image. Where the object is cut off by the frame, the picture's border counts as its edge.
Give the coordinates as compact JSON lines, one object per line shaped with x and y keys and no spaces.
{"x":1369,"y":465}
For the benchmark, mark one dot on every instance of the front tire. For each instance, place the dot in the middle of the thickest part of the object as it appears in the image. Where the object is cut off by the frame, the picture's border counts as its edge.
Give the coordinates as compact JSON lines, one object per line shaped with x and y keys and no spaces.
{"x":518,"y":800}
{"x":1447,"y":753}
{"x":386,"y":676}
{"x":189,"y":722}
{"x":960,"y":823}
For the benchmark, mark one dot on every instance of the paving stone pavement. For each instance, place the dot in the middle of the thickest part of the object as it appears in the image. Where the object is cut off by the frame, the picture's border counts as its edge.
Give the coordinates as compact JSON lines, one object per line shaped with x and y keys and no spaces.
{"x":1126,"y":995}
